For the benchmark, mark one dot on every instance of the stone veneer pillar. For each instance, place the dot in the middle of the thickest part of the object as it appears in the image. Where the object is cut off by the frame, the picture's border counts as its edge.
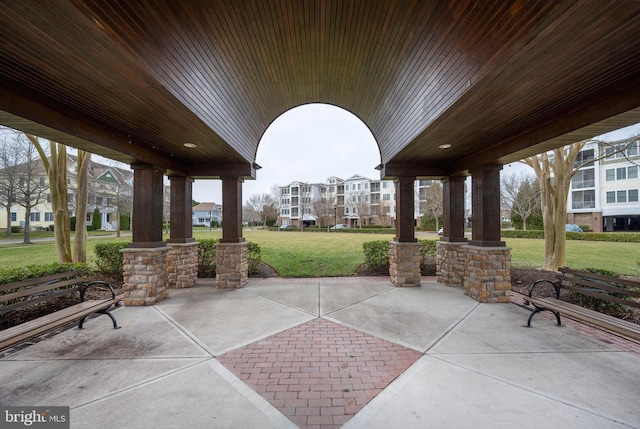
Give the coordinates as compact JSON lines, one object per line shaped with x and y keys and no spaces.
{"x":451,"y":263}
{"x":181,"y":265}
{"x":232,"y":266}
{"x":404,"y":263}
{"x":488,"y":277}
{"x":144,"y":275}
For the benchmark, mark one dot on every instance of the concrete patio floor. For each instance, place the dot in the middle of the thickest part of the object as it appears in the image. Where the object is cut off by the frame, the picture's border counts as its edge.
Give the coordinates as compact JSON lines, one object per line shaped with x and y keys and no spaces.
{"x":341,"y":352}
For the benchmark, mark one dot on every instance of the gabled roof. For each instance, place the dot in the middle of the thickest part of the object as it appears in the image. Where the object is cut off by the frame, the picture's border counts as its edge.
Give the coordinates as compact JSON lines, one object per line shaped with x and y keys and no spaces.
{"x":206,"y":207}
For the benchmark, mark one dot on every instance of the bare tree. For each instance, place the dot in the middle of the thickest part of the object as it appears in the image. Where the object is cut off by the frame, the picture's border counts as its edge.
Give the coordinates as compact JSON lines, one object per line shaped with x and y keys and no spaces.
{"x":554,"y":171}
{"x":520,"y":194}
{"x":433,"y":202}
{"x":265,"y":206}
{"x":32,"y":186}
{"x":10,"y":159}
{"x":362,"y":206}
{"x":324,"y":208}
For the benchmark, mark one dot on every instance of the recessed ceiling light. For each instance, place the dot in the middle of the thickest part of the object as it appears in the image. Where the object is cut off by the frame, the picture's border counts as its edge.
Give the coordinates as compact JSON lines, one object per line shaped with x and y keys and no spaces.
{"x":189,"y":145}
{"x":444,"y":146}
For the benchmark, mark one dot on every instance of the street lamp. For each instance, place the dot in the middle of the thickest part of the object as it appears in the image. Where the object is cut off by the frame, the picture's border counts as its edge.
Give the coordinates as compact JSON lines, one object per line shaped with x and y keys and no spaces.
{"x":335,"y":218}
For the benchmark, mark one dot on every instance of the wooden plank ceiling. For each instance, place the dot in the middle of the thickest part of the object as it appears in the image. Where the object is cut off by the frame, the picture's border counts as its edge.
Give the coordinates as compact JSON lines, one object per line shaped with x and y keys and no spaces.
{"x":495,"y":79}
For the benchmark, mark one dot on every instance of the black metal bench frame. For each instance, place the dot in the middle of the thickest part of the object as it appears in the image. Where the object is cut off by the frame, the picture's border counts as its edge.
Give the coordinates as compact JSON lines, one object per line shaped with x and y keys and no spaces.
{"x":22,"y":294}
{"x":589,"y":284}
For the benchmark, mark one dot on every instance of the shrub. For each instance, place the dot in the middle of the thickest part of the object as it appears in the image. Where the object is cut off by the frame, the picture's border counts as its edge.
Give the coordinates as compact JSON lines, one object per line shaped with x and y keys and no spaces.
{"x":11,"y":275}
{"x":109,"y":257}
{"x":253,"y":256}
{"x":376,"y":254}
{"x":428,"y":222}
{"x":428,"y":249}
{"x":15,"y":229}
{"x":207,"y":257}
{"x":125,"y":222}
{"x":96,"y":221}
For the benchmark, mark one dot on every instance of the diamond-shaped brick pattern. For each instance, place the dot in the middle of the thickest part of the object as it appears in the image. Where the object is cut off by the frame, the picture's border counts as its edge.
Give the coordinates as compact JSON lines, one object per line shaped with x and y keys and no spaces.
{"x":320,"y":373}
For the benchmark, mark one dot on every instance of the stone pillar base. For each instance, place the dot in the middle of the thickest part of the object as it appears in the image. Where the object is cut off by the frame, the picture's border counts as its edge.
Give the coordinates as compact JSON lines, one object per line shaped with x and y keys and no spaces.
{"x":488,"y":276}
{"x":404,"y":264}
{"x":232,"y":267}
{"x":144,"y":275}
{"x":181,"y":265}
{"x":451,"y":261}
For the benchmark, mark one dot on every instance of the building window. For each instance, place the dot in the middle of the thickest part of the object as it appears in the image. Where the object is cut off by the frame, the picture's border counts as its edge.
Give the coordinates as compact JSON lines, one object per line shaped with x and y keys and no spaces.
{"x":48,"y":217}
{"x":632,"y":172}
{"x":583,"y":158}
{"x":633,"y":195}
{"x":611,"y":197}
{"x":622,"y":196}
{"x":584,"y":179}
{"x":621,"y":173}
{"x":386,"y":197}
{"x":35,"y":217}
{"x":42,"y":182}
{"x":583,"y":199}
{"x":610,"y":174}
{"x":366,"y":186}
{"x":14,"y":217}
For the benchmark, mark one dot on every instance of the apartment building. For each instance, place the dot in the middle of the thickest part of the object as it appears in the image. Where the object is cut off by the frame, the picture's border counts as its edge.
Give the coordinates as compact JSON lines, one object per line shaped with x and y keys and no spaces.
{"x":604,"y":193}
{"x":355,"y":201}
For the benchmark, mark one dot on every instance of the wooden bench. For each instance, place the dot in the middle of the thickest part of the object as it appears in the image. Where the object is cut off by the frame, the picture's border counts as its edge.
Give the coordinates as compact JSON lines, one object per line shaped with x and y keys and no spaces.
{"x":610,"y":289}
{"x":30,"y":292}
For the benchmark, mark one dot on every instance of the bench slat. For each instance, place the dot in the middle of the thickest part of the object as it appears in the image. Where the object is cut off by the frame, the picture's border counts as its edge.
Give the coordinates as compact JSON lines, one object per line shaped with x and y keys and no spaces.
{"x":14,"y":335}
{"x":609,"y":323}
{"x":40,"y":289}
{"x":586,"y":283}
{"x":37,"y":280}
{"x":599,"y":277}
{"x":8,"y":308}
{"x":602,"y":296}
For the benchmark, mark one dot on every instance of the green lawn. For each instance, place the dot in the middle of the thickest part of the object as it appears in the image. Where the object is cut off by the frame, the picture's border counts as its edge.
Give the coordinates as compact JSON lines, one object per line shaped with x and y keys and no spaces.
{"x":309,"y":254}
{"x":622,"y":258}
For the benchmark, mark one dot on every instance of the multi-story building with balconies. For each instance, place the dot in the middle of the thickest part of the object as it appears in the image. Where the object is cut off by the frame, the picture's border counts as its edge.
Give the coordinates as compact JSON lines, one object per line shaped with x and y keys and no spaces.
{"x":355,"y":201}
{"x":604,"y":192}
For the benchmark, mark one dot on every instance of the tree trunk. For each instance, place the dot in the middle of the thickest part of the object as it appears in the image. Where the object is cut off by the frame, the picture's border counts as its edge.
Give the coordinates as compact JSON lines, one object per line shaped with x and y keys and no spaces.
{"x":27,"y":226}
{"x":82,"y":195}
{"x":554,"y":178}
{"x":7,"y":233}
{"x":57,"y":174}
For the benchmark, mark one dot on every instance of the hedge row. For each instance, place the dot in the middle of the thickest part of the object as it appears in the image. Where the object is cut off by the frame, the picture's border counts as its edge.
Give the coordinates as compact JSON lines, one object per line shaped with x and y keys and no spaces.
{"x":584,"y":236}
{"x":366,"y":230}
{"x":11,"y":275}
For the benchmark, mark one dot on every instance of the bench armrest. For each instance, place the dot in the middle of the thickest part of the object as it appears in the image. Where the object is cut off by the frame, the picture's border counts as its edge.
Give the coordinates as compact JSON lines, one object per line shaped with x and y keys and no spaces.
{"x":86,"y":286}
{"x":553,"y":283}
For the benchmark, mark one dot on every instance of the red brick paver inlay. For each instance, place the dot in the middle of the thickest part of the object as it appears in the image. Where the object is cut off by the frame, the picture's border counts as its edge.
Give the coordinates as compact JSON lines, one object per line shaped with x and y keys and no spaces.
{"x":320,"y":373}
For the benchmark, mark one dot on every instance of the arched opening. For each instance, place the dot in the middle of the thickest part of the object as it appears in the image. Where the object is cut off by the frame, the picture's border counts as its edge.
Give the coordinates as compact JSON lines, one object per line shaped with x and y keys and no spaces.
{"x":315,"y":146}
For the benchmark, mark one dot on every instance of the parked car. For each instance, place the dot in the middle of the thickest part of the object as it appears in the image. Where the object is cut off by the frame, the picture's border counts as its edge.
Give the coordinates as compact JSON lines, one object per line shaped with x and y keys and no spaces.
{"x":286,"y":226}
{"x":339,"y":226}
{"x":572,"y":227}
